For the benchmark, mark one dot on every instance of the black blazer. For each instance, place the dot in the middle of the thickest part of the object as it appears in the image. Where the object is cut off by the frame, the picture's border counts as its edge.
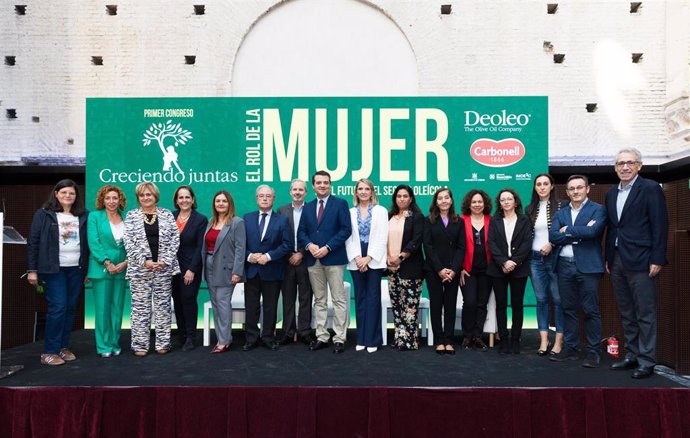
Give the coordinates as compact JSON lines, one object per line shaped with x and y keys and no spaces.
{"x":191,"y":241}
{"x":520,"y":246}
{"x":444,"y":247}
{"x":413,"y":233}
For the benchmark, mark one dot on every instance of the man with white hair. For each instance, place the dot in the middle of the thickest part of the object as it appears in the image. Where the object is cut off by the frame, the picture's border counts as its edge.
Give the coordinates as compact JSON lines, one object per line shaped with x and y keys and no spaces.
{"x":635,"y":252}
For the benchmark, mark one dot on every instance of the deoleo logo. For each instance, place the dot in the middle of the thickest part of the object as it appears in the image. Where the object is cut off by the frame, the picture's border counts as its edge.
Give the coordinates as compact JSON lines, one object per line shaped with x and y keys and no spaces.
{"x":500,"y":153}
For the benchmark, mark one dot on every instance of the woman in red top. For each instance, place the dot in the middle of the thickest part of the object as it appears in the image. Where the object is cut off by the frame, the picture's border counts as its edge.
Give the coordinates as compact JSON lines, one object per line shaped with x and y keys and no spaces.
{"x":475,"y":284}
{"x":223,"y":255}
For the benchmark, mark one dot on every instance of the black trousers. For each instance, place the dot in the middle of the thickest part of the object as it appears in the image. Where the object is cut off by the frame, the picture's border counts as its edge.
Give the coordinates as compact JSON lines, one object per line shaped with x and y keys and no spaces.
{"x":443,"y":299}
{"x":296,"y":286}
{"x":475,"y":297}
{"x":517,"y":295}
{"x":254,"y":290}
{"x":186,"y":308}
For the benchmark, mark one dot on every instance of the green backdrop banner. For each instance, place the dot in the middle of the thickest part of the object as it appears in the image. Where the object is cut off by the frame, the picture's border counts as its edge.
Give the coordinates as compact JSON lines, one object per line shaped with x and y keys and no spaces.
{"x":238,"y":143}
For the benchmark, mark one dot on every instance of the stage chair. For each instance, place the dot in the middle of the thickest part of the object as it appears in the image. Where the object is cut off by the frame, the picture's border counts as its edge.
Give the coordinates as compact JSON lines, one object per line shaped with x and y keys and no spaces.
{"x":238,"y":312}
{"x":490,"y":325}
{"x":387,"y":310}
{"x":329,"y":320}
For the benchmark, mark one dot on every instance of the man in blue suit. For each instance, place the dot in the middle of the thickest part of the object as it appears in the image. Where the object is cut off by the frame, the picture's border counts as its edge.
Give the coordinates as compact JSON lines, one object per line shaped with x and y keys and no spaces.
{"x":577,"y":230}
{"x":268,"y":242}
{"x":323,"y":229}
{"x":635,"y":252}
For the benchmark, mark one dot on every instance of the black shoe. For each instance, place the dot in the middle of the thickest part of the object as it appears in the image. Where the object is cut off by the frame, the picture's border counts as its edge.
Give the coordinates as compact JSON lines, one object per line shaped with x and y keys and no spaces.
{"x":545,"y":352}
{"x":440,"y":351}
{"x":563,"y":356}
{"x":188,"y":344}
{"x":591,"y":361}
{"x":285,"y":340}
{"x":466,"y":344}
{"x":504,"y":347}
{"x":338,"y":347}
{"x":308,"y":339}
{"x":250,"y":346}
{"x":479,"y":345}
{"x":642,"y":372}
{"x":625,"y":364}
{"x":270,"y":345}
{"x":317,"y":345}
{"x":515,"y":346}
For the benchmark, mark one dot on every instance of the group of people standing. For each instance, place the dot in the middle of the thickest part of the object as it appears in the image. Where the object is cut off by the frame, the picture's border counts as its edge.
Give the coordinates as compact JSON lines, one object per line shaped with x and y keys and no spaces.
{"x":302,"y":250}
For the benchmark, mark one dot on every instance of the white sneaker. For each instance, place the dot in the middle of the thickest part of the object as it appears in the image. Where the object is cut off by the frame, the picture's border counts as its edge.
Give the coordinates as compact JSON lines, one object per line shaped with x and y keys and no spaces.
{"x":372,"y":349}
{"x":360,"y":348}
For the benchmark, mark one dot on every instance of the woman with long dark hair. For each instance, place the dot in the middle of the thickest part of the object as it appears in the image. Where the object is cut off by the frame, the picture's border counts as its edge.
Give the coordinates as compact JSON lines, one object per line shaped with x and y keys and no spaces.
{"x":223,"y":253}
{"x":405,"y":266}
{"x":444,"y":248}
{"x":510,"y":239}
{"x":185,"y":285}
{"x":58,"y":254}
{"x":475,"y":283}
{"x":541,"y":210}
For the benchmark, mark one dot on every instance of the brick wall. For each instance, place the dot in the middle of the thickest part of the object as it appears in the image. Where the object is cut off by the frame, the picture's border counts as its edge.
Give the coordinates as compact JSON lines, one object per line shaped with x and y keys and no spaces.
{"x":481,"y":48}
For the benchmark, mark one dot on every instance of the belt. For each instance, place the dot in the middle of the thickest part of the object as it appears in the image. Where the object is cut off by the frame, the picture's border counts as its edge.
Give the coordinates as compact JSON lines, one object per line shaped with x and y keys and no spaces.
{"x":567,"y":259}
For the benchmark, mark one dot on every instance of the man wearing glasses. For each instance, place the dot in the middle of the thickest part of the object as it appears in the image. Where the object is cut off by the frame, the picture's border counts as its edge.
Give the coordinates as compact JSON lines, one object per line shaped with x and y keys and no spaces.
{"x":635,"y":252}
{"x":577,"y":229}
{"x":268,"y":243}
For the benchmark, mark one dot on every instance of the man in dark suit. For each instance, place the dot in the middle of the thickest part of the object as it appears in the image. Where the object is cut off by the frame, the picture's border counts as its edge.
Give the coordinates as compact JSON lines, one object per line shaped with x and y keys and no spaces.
{"x":268,"y":242}
{"x":296,"y":274}
{"x":323,"y":229}
{"x":577,"y":229}
{"x":635,"y":252}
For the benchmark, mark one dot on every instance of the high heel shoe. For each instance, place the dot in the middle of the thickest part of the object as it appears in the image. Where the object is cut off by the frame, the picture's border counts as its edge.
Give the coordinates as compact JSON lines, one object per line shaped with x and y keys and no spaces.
{"x":441,"y":351}
{"x":545,"y":352}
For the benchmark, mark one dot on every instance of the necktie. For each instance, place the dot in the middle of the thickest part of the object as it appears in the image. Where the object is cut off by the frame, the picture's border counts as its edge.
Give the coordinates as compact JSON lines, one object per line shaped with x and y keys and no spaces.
{"x":262,"y":224}
{"x":319,"y":215}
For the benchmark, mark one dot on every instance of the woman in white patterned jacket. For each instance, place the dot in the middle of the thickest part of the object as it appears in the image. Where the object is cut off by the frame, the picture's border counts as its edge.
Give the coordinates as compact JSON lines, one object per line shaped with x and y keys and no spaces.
{"x":151,"y":241}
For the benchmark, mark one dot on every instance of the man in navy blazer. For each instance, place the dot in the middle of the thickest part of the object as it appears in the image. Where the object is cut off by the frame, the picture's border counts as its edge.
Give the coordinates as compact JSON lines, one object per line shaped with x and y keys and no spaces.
{"x":577,"y":230}
{"x":635,"y":252}
{"x":323,"y":229}
{"x":268,"y":242}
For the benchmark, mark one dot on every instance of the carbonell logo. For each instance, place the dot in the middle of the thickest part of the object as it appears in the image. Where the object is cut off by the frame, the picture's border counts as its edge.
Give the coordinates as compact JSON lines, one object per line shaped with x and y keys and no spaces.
{"x":500,"y":153}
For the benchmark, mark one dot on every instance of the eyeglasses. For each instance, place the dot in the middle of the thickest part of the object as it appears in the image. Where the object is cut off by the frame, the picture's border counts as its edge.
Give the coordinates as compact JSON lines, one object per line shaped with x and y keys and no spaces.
{"x":506,"y":200}
{"x":629,"y":163}
{"x":576,"y":189}
{"x":264,"y":196}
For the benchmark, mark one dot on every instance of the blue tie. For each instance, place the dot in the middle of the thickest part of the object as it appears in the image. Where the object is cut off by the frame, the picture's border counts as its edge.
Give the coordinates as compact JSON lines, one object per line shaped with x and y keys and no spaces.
{"x":262,"y":224}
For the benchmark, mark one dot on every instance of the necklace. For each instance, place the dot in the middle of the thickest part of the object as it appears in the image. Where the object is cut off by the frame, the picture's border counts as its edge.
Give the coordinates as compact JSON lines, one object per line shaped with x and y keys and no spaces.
{"x":150,"y":218}
{"x":181,"y":220}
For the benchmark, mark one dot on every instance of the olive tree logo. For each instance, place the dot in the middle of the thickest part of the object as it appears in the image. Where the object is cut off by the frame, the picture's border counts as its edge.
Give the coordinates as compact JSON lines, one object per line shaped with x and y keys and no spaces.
{"x":175,"y":136}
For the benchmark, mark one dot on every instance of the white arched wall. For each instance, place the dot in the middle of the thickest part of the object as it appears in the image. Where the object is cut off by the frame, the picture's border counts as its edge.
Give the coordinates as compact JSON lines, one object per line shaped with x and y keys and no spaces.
{"x":325,"y":48}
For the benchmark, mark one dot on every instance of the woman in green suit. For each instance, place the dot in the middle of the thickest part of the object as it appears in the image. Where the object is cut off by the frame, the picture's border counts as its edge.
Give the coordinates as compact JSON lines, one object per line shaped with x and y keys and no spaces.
{"x":107,"y":266}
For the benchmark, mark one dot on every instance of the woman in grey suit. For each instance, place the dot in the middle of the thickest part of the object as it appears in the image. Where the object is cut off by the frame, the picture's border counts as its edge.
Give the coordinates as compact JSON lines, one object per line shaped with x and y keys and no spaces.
{"x":223,"y":255}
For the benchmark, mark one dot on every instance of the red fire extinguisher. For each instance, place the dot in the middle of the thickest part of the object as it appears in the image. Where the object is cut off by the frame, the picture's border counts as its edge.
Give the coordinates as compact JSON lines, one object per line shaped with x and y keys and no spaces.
{"x":612,"y":346}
